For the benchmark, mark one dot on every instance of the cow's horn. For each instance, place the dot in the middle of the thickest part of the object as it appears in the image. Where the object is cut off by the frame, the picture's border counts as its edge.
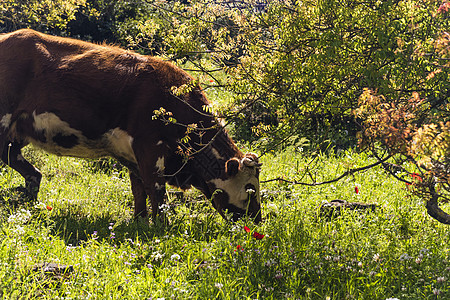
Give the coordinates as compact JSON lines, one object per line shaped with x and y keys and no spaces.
{"x":251,"y":160}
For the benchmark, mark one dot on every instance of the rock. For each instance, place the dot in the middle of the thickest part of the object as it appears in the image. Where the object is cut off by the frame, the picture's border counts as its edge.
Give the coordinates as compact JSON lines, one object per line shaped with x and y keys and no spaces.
{"x":332,"y":209}
{"x":53,"y":269}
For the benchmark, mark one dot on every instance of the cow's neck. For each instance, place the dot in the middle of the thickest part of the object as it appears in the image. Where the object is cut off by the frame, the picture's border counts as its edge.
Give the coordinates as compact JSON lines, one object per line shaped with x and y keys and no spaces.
{"x":210,"y":161}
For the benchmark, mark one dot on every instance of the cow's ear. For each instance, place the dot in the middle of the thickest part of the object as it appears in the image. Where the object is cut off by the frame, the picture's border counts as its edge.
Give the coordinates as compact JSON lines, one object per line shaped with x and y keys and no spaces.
{"x":232,"y":167}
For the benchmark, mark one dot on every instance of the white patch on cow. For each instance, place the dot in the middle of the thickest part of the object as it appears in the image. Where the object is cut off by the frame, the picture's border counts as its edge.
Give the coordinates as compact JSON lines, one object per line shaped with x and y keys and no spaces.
{"x":120,"y":143}
{"x":52,"y":124}
{"x":6,"y":120}
{"x":115,"y":142}
{"x":160,"y":164}
{"x":235,"y":188}
{"x":159,"y":143}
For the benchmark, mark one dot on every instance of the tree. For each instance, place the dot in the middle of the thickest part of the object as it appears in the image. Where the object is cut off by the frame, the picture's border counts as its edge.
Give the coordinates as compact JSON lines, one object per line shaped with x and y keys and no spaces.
{"x":308,"y":62}
{"x":416,"y":129}
{"x":301,"y":64}
{"x":42,"y":15}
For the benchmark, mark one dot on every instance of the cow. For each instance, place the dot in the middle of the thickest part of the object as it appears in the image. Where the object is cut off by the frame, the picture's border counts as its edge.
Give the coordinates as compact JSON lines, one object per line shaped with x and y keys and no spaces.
{"x":86,"y":100}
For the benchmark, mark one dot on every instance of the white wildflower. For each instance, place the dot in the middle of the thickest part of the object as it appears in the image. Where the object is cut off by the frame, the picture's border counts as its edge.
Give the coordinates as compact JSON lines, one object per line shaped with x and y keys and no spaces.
{"x":20,"y":217}
{"x":175,"y":257}
{"x":404,"y":256}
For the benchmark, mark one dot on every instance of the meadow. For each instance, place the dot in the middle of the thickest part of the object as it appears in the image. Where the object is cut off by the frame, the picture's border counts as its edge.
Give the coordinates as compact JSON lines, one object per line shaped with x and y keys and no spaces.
{"x":83,"y":224}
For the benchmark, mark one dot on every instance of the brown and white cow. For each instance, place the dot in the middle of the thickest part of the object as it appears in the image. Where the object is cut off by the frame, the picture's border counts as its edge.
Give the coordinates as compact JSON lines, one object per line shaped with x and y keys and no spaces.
{"x":80,"y":99}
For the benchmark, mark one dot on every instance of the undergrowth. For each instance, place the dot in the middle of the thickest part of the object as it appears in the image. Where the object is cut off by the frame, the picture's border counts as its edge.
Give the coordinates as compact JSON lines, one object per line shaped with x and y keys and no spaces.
{"x":83,"y":221}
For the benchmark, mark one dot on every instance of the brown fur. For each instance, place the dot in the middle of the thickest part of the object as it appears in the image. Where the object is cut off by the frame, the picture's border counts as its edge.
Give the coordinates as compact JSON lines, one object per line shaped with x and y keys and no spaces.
{"x":81,"y":99}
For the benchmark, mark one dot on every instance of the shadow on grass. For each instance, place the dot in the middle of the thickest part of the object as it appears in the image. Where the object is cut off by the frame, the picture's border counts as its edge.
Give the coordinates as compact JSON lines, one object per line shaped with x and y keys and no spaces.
{"x":15,"y":197}
{"x":198,"y":219}
{"x":74,"y":229}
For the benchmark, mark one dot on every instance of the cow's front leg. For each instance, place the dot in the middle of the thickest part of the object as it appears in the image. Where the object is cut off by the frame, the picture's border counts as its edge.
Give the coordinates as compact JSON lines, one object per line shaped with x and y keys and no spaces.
{"x":156,"y":196}
{"x":140,"y":196}
{"x":157,"y":200}
{"x":152,"y":182}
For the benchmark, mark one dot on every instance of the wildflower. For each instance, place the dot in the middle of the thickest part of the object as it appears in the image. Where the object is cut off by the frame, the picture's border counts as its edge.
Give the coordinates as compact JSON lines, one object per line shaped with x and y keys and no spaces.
{"x":113,"y":235}
{"x":270,"y":262}
{"x":20,"y":217}
{"x":440,"y":279}
{"x":356,"y":190}
{"x":218,"y":285}
{"x":255,"y":234}
{"x":415,"y":177}
{"x":404,"y":256}
{"x":49,"y":208}
{"x":376,"y":257}
{"x":392,"y":299}
{"x":436,"y":292}
{"x":175,"y":257}
{"x":157,"y":256}
{"x":418,"y":260}
{"x":239,"y":247}
{"x":278,"y":275}
{"x":424,"y":251}
{"x":360,"y":264}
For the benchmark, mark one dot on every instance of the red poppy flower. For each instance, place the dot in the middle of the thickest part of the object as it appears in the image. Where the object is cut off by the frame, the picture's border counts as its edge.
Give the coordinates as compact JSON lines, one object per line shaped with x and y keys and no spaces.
{"x":255,"y":234}
{"x":258,"y":235}
{"x":415,"y":176}
{"x":49,"y":207}
{"x":356,"y":190}
{"x":239,"y":247}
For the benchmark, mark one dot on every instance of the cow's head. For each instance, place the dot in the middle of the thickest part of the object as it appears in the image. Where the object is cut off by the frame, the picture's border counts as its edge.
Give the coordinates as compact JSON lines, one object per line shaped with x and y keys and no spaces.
{"x":238,"y":192}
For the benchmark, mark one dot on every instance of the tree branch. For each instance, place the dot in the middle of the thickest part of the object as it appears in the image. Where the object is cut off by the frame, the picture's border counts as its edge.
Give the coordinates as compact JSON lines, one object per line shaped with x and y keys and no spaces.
{"x":345,"y":174}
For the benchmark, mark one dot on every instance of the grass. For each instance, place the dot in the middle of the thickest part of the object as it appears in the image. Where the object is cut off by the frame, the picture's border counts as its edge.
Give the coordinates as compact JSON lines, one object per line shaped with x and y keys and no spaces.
{"x":396,"y":252}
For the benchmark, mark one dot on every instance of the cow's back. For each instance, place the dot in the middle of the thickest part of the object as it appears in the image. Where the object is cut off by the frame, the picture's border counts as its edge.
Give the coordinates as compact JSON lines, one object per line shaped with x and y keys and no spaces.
{"x":92,"y":88}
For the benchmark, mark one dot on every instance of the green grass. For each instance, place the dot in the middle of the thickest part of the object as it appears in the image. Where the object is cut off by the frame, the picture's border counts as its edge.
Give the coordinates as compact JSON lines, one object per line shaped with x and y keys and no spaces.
{"x":396,"y":252}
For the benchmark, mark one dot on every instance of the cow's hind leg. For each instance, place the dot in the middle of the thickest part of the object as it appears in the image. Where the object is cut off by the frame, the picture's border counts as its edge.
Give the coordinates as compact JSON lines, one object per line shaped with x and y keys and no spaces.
{"x":12,"y":156}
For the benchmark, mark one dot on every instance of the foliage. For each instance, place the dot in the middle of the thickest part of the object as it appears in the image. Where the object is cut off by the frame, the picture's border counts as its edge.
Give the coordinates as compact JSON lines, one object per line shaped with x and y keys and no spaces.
{"x":83,"y":220}
{"x":110,"y":21}
{"x":43,"y":15}
{"x":293,"y":68}
{"x":417,"y":128}
{"x":300,"y":64}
